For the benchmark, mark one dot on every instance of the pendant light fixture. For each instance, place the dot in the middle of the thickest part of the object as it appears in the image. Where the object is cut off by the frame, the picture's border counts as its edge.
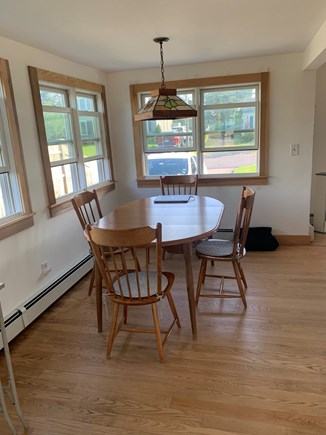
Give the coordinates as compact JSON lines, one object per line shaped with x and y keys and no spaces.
{"x":164,"y":103}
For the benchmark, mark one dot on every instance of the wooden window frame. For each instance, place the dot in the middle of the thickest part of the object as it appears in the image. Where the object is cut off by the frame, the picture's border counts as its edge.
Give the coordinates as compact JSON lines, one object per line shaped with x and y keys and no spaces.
{"x":262,"y":78}
{"x":37,"y":76}
{"x":25,"y":219}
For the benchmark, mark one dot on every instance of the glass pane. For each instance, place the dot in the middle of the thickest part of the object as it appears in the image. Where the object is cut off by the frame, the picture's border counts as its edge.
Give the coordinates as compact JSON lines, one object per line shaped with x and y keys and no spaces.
{"x":94,"y":172}
{"x":230,"y":127}
{"x":63,"y":151}
{"x":57,"y":126}
{"x":229,"y":96}
{"x":53,"y":98}
{"x":7,"y":205}
{"x":229,"y":139}
{"x":89,"y":127}
{"x":188,"y":97}
{"x":65,"y":179}
{"x":59,"y":136}
{"x":2,"y":163}
{"x":231,"y":162}
{"x":91,"y":148}
{"x":171,"y":164}
{"x":86,"y":103}
{"x":2,"y":143}
{"x":169,"y":134}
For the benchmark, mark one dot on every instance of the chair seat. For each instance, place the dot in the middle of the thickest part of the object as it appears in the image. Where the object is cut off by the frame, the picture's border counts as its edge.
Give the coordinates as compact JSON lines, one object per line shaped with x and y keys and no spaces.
{"x":215,"y":248}
{"x":121,"y":286}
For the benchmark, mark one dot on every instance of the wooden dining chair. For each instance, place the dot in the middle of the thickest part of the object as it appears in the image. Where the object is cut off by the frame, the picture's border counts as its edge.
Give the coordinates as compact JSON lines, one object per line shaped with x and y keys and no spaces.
{"x":179,"y":184}
{"x":231,"y":251}
{"x":129,"y":286}
{"x":88,"y":210}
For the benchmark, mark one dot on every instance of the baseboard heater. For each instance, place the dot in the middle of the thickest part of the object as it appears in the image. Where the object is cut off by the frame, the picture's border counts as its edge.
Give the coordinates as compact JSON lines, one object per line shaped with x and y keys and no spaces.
{"x":34,"y":306}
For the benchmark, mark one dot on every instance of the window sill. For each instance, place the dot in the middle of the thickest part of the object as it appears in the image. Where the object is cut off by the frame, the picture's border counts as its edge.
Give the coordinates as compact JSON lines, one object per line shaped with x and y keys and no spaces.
{"x":225,"y":181}
{"x":66,"y":205}
{"x":16,"y":225}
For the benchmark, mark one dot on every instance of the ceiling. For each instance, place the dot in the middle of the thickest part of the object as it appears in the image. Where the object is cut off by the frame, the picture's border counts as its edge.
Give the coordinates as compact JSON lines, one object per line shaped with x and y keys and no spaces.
{"x":118,"y":35}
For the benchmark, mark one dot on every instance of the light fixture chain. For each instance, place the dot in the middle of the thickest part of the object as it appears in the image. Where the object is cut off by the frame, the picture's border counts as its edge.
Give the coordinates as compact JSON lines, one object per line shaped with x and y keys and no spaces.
{"x":164,"y":103}
{"x":162,"y":65}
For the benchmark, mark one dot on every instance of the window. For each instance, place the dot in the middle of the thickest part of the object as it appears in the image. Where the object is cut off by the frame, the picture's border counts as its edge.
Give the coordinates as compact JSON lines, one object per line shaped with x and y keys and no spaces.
{"x":226,"y":144}
{"x":74,"y":136}
{"x":15,"y":207}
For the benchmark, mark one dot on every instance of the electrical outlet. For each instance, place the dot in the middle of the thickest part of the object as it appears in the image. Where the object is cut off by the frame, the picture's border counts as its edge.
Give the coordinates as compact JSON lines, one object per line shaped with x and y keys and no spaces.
{"x":45,"y":268}
{"x":294,"y":149}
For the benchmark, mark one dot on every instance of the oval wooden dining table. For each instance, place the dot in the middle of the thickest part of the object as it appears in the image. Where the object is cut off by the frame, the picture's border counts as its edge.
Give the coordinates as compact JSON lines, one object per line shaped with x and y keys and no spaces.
{"x":182,"y":224}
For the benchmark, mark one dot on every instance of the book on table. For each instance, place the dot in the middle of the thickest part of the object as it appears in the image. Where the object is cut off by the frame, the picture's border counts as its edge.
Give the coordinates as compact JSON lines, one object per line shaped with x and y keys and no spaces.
{"x":168,"y":199}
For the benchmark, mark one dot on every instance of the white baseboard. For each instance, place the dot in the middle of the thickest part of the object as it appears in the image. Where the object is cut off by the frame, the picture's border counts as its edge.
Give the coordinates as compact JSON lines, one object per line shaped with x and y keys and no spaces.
{"x":25,"y":314}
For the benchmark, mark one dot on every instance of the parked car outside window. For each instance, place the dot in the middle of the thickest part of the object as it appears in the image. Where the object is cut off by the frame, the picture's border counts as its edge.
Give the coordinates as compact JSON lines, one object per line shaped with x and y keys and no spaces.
{"x":171,"y":164}
{"x":168,"y":139}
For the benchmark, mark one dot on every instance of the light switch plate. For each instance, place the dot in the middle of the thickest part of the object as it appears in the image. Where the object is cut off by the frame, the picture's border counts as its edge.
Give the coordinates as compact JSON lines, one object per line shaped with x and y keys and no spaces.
{"x":294,"y":149}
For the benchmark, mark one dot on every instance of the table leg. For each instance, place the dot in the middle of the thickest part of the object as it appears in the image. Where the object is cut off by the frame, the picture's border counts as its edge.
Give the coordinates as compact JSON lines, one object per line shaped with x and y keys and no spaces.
{"x":190,"y":288}
{"x":98,"y":288}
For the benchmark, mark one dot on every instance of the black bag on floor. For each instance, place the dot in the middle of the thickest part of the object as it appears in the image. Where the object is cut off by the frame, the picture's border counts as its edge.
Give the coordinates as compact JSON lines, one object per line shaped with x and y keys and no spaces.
{"x":261,"y":239}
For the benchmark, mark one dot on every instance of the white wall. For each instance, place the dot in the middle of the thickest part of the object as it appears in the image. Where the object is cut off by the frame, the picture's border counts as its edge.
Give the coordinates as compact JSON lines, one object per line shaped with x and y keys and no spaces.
{"x":284,"y":204}
{"x":319,"y":154}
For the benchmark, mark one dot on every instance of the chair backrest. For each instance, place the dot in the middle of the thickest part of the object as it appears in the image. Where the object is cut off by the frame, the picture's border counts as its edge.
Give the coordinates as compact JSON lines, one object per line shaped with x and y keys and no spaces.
{"x":243,"y":220}
{"x":179,"y":184}
{"x":122,"y":276}
{"x":87,"y":207}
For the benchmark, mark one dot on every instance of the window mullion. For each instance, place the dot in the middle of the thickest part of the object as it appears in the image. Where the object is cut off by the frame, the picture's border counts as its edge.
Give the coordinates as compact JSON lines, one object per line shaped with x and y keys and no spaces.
{"x":228,"y":105}
{"x":78,"y":146}
{"x":198,"y":130}
{"x":76,"y":167}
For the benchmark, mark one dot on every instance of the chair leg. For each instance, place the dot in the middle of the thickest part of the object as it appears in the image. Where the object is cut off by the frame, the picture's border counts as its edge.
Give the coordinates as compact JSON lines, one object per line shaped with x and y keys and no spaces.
{"x":235,"y":265}
{"x":157,"y":332}
{"x":105,"y":303}
{"x":125,"y":314}
{"x":201,"y":278}
{"x":91,"y":282}
{"x":173,"y":309}
{"x":112,"y":329}
{"x":242,"y":276}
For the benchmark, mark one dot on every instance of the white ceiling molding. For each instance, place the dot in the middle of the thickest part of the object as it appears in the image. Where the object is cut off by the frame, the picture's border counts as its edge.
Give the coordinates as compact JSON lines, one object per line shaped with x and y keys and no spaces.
{"x":315,"y":54}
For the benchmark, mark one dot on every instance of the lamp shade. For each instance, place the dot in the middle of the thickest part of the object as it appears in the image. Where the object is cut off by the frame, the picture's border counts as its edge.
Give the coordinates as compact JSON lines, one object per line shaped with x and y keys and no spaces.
{"x":165,"y":104}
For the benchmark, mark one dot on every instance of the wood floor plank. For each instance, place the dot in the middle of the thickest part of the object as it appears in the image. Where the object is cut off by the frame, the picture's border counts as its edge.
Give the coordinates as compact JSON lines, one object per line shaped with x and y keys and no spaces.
{"x":254,"y":371}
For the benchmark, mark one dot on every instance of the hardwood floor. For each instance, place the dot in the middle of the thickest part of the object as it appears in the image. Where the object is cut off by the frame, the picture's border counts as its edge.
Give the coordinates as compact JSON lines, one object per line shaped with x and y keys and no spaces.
{"x":260,"y":371}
